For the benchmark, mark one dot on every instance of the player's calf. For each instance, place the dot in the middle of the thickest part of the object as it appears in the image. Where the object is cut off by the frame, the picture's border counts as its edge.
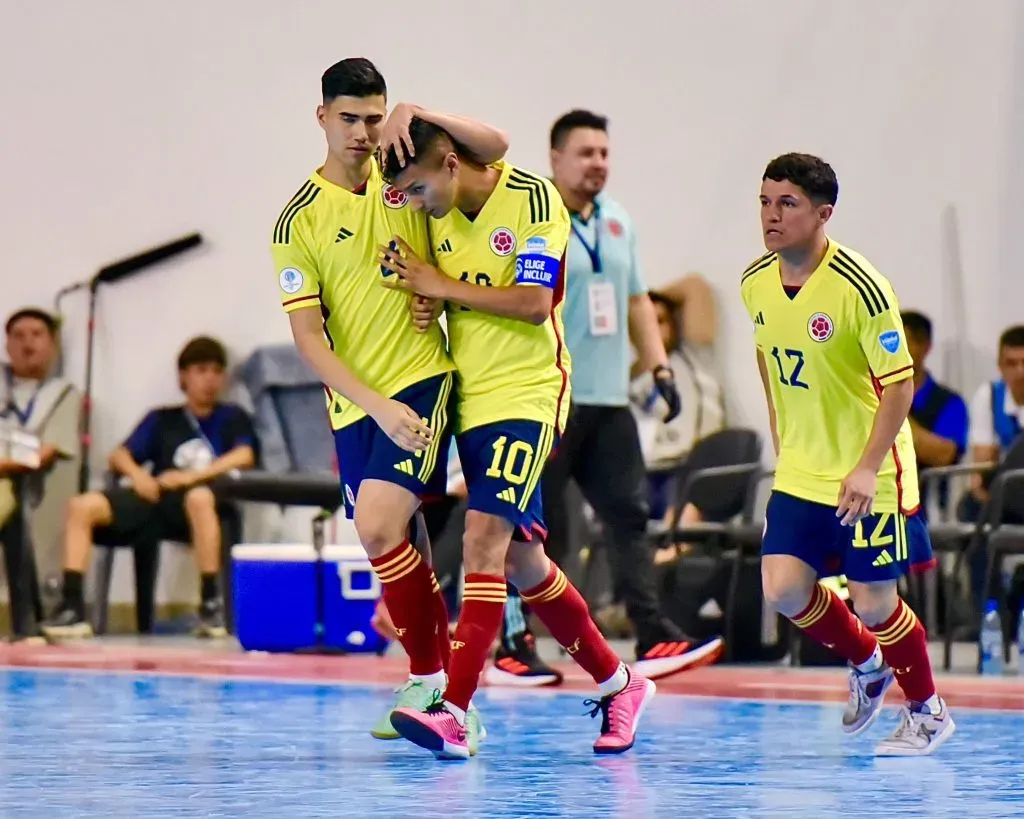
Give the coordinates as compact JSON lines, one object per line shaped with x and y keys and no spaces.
{"x":441,"y":727}
{"x":624,"y":695}
{"x":382,"y":513}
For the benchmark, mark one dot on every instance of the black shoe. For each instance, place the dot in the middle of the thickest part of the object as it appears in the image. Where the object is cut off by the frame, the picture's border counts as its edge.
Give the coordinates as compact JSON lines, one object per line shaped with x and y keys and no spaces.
{"x":521,"y":666}
{"x":211,"y":619}
{"x":668,"y":651}
{"x":68,"y":623}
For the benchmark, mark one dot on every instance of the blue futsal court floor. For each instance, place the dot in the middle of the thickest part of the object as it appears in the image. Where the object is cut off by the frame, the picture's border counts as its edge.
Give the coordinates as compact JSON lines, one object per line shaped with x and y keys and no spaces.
{"x":87,"y":743}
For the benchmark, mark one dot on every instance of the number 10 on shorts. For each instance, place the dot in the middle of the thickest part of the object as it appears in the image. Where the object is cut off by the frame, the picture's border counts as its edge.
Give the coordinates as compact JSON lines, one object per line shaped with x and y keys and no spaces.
{"x":510,"y":461}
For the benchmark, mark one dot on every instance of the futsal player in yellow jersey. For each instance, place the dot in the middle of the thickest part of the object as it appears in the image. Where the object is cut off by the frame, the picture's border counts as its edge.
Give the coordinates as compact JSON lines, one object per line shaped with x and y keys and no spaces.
{"x":388,"y":387}
{"x":838,"y":381}
{"x":500,"y":235}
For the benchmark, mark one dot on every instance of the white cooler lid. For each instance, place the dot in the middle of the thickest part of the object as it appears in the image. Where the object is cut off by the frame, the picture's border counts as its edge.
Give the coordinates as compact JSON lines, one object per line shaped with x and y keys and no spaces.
{"x":294,"y":552}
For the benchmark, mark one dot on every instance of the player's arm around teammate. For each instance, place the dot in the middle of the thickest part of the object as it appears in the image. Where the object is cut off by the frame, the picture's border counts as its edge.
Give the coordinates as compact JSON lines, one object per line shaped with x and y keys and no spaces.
{"x":388,"y":387}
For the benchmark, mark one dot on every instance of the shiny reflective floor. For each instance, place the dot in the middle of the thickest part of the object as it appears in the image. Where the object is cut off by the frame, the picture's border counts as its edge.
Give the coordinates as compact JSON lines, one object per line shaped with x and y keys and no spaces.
{"x":80,"y":743}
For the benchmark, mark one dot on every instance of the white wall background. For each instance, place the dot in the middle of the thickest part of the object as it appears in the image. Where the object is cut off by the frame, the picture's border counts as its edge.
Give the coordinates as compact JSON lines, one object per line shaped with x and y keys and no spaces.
{"x":127,"y":124}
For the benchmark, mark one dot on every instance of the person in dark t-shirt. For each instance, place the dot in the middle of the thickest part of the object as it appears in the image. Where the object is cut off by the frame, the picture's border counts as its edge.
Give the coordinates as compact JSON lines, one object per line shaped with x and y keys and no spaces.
{"x":165,"y":466}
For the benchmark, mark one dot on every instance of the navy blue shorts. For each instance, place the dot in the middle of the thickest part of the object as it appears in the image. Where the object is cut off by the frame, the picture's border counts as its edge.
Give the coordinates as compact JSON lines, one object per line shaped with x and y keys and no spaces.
{"x":366,"y":452}
{"x":502,"y":464}
{"x":880,"y":547}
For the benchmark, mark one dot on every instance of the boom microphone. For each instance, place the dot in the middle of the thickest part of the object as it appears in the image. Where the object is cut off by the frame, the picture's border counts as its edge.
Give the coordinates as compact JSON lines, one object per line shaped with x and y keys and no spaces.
{"x":133,"y":264}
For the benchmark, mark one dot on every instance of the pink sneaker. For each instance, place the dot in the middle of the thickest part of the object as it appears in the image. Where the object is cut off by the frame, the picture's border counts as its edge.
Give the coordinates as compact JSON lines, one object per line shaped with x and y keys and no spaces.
{"x":435,"y":729}
{"x":620,"y":714}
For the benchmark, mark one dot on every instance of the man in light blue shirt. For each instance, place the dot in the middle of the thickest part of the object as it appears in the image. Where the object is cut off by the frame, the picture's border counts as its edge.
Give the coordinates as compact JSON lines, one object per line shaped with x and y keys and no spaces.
{"x":606,"y":305}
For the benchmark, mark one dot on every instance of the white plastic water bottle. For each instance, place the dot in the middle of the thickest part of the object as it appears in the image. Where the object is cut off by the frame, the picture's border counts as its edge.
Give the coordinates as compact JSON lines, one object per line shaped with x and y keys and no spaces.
{"x":991,"y":640}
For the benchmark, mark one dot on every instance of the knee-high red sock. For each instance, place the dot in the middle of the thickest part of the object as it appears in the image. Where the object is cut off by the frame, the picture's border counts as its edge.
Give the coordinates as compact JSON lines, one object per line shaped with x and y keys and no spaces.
{"x":828,"y":620}
{"x":483,"y":601}
{"x":904,"y":645}
{"x":407,"y":592}
{"x":561,"y":608}
{"x":440,"y":608}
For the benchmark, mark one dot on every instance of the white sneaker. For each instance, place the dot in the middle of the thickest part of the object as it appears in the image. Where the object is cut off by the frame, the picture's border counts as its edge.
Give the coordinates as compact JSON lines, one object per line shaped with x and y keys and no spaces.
{"x":919,"y":733}
{"x":867,"y":693}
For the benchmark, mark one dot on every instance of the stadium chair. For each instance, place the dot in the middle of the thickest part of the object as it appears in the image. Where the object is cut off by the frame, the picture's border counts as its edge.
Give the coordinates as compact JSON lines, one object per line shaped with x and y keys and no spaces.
{"x":23,"y":591}
{"x":1006,"y":498}
{"x":287,"y":403}
{"x":948,"y":536}
{"x":146,"y":555}
{"x":721,"y":477}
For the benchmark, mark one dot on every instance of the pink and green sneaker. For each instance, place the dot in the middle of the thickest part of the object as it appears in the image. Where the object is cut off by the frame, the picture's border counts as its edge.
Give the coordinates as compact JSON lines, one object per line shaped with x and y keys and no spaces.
{"x":434,"y":728}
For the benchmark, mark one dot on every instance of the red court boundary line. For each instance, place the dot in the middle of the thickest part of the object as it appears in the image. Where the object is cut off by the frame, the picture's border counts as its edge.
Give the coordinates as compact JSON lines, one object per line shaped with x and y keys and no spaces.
{"x":750,"y":683}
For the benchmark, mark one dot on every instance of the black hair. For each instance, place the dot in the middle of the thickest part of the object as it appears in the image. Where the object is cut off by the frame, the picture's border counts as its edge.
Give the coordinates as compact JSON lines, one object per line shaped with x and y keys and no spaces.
{"x":577,"y":118}
{"x":917,"y":323}
{"x":51,"y":322}
{"x":425,"y":137}
{"x":1012,"y":337}
{"x":202,"y":350}
{"x":352,"y":77}
{"x":813,"y":175}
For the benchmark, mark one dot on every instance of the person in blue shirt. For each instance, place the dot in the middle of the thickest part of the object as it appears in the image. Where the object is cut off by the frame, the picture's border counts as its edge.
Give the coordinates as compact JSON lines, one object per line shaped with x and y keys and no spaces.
{"x":938,"y":416}
{"x":165,"y":465}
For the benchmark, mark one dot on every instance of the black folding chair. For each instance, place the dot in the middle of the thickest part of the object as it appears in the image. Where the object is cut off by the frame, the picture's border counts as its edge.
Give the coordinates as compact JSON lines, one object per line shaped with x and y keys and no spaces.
{"x":1001,"y":526}
{"x":948,"y":536}
{"x":720,"y":477}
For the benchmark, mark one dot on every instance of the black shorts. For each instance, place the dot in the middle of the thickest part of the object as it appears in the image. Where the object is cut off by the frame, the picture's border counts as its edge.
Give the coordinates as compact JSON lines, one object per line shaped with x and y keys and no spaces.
{"x":135,"y":520}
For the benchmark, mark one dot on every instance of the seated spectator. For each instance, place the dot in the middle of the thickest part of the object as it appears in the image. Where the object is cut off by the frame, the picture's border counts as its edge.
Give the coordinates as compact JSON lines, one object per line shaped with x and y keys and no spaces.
{"x":938,"y":416}
{"x":997,"y":414}
{"x":688,"y":342}
{"x":37,"y":466}
{"x":185,"y":446}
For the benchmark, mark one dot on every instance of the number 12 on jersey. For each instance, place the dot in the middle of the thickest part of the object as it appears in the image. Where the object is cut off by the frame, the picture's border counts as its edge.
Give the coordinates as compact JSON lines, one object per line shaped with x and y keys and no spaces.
{"x":790,"y":363}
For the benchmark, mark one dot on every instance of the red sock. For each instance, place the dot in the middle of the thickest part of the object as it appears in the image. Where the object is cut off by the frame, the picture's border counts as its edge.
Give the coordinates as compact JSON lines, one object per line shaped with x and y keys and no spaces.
{"x":561,"y":608}
{"x":406,"y":581}
{"x":828,"y":620}
{"x":483,"y":601}
{"x":444,"y":642}
{"x":904,"y":645}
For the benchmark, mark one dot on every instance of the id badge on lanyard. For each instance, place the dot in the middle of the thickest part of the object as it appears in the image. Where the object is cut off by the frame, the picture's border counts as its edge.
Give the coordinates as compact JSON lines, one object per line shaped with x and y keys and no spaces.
{"x":12,"y":407}
{"x":601,"y":303}
{"x":197,"y":428}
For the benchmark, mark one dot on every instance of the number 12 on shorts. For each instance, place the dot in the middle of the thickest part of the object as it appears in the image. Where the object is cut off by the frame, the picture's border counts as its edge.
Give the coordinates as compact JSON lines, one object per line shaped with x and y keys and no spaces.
{"x":881,"y":533}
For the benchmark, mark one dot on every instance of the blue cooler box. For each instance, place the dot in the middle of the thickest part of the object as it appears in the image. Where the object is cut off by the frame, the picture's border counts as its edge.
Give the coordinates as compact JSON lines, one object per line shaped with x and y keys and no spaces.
{"x":351,"y":592}
{"x":275,"y":596}
{"x":276,"y":600}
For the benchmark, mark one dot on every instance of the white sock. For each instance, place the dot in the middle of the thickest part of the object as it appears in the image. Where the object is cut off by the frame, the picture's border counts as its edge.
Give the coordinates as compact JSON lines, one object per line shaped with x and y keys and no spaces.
{"x":933,"y":705}
{"x":872,"y":663}
{"x":432,"y":682}
{"x":456,"y":712}
{"x":615,"y":683}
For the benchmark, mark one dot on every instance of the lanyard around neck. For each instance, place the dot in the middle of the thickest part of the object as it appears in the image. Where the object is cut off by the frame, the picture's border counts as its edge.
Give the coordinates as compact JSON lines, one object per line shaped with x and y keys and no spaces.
{"x":593,"y":251}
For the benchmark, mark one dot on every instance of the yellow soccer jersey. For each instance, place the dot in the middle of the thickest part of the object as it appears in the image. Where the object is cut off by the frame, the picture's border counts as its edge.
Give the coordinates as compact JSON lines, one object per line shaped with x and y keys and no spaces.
{"x":829,"y":351}
{"x":325,"y":249}
{"x":508,"y":369}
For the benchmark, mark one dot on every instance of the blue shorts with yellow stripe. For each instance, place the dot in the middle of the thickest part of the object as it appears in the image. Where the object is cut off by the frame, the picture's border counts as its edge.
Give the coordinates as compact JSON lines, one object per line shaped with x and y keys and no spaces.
{"x":366,"y":452}
{"x":880,"y":547}
{"x":502,"y":463}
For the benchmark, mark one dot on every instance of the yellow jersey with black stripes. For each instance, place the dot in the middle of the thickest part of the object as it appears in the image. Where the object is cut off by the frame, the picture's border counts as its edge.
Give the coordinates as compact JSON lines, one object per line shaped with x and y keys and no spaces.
{"x":508,"y":369}
{"x":830,"y":349}
{"x":325,"y":248}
